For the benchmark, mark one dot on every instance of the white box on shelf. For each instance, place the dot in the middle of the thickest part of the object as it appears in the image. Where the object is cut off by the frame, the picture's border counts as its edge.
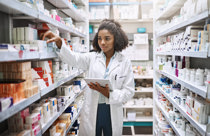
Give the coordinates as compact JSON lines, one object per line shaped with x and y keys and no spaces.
{"x":131,"y":115}
{"x":140,"y":38}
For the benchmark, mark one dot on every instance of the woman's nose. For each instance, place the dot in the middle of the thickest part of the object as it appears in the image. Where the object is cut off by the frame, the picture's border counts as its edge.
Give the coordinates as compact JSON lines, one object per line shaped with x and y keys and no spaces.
{"x":102,"y":41}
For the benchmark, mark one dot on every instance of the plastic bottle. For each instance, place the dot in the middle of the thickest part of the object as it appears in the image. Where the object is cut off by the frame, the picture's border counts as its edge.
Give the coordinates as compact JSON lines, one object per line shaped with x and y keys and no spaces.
{"x":192,"y":76}
{"x":199,"y":78}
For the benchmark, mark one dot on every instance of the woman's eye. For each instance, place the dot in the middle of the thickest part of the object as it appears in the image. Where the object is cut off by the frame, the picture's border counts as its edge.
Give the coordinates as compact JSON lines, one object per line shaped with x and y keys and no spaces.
{"x":99,"y":38}
{"x":107,"y":39}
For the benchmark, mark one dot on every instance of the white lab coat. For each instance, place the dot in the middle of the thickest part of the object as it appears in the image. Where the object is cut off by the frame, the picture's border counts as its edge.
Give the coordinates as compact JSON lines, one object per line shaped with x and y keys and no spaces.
{"x":121,"y":77}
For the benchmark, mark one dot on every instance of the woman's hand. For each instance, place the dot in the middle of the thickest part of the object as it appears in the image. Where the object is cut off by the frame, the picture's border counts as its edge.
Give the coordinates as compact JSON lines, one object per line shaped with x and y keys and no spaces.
{"x":52,"y":38}
{"x":100,"y":89}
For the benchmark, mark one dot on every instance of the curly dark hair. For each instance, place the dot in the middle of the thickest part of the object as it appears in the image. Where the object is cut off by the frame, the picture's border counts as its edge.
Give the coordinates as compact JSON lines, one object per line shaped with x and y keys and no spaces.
{"x":120,"y":38}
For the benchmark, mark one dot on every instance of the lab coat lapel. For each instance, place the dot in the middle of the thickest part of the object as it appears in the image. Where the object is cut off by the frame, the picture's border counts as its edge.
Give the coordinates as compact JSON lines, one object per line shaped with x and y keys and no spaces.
{"x":116,"y":62}
{"x":100,"y":57}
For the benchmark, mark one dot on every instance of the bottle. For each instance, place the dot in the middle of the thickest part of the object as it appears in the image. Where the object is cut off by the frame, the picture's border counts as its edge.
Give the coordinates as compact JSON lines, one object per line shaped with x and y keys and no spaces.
{"x":199,"y":78}
{"x":187,"y":76}
{"x":192,"y":76}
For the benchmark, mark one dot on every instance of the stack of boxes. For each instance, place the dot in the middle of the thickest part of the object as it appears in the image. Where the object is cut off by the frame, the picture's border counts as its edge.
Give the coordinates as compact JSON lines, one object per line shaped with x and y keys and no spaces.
{"x":17,"y":80}
{"x":23,"y":123}
{"x":44,"y":75}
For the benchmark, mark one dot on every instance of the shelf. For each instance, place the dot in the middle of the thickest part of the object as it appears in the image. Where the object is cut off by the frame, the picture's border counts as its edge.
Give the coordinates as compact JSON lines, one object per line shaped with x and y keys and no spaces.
{"x":79,"y":2}
{"x":55,"y":85}
{"x":48,"y":55}
{"x":200,"y":90}
{"x":201,"y":128}
{"x":125,"y":3}
{"x":171,"y":9}
{"x":178,"y":131}
{"x":72,"y":122}
{"x":190,"y":21}
{"x":140,"y":119}
{"x":15,"y":7}
{"x":54,"y":118}
{"x":70,"y":10}
{"x":18,"y":56}
{"x":96,"y":21}
{"x":18,"y":107}
{"x":185,"y":53}
{"x":142,"y":77}
{"x":99,"y":4}
{"x":62,"y":27}
{"x":137,"y":107}
{"x":149,"y":91}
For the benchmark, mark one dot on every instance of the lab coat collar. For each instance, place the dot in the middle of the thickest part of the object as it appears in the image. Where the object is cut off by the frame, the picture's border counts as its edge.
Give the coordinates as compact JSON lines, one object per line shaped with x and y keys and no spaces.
{"x":115,"y":63}
{"x":118,"y":56}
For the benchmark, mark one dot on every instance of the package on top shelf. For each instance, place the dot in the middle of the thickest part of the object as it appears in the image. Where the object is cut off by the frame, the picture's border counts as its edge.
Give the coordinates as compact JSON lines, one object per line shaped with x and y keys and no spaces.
{"x":190,"y":9}
{"x":126,"y":11}
{"x":147,"y":11}
{"x":99,"y":12}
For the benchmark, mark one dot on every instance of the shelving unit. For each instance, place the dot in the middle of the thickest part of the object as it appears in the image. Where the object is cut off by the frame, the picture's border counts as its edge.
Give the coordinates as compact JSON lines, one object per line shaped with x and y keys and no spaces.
{"x":178,"y":131}
{"x":15,"y":10}
{"x":199,"y":54}
{"x":171,"y":10}
{"x":201,"y":90}
{"x":173,"y":29}
{"x":18,"y":107}
{"x":201,"y":128}
{"x":55,"y":117}
{"x":59,"y":83}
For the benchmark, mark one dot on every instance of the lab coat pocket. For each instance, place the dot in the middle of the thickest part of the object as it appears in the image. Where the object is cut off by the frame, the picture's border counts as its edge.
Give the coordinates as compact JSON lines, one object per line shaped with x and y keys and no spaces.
{"x":120,"y":80}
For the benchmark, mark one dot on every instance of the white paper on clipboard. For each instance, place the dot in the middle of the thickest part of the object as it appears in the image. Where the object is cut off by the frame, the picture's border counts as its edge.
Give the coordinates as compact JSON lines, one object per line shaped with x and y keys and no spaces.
{"x":102,"y":82}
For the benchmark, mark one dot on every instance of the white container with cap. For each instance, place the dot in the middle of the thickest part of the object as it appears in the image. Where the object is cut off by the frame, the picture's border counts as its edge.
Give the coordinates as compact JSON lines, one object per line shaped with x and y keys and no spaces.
{"x":53,"y":12}
{"x":192,"y":76}
{"x":187,"y":76}
{"x":199,"y":77}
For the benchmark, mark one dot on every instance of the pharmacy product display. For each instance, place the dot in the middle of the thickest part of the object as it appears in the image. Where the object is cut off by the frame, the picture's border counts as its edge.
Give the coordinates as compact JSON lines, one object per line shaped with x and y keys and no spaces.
{"x":37,"y":90}
{"x":181,"y":70}
{"x":139,"y":110}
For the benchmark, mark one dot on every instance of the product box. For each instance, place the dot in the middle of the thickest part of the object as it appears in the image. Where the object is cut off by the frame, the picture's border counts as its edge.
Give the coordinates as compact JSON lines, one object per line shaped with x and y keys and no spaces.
{"x":33,"y":118}
{"x":25,"y":133}
{"x":53,"y":106}
{"x":5,"y":103}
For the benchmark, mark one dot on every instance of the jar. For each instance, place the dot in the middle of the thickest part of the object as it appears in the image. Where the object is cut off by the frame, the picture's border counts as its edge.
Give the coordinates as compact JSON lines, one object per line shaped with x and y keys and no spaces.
{"x":199,"y":77}
{"x":187,"y":76}
{"x":192,"y":76}
{"x":171,"y":116}
{"x":53,"y":13}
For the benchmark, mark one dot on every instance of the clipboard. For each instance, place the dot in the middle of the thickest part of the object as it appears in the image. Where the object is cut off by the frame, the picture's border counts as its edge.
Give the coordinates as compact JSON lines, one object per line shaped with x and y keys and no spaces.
{"x":102,"y":82}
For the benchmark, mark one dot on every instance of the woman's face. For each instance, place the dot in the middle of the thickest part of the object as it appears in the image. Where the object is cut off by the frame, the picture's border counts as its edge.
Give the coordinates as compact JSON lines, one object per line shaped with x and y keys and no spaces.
{"x":106,"y":41}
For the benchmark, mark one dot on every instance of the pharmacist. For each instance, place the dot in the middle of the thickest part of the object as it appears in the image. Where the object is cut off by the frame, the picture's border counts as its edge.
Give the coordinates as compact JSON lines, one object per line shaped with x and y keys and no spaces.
{"x":102,"y":110}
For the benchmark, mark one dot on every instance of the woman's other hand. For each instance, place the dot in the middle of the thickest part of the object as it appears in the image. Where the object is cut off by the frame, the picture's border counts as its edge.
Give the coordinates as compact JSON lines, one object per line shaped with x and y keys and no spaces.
{"x":100,"y":89}
{"x":52,"y":38}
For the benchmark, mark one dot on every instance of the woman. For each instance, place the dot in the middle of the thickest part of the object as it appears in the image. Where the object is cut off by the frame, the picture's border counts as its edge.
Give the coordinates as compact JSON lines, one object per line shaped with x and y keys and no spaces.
{"x":102,"y":110}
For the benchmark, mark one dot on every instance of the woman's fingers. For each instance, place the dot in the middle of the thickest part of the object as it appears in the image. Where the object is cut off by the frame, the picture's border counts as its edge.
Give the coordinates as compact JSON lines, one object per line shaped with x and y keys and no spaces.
{"x":47,"y":34}
{"x":52,"y":40}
